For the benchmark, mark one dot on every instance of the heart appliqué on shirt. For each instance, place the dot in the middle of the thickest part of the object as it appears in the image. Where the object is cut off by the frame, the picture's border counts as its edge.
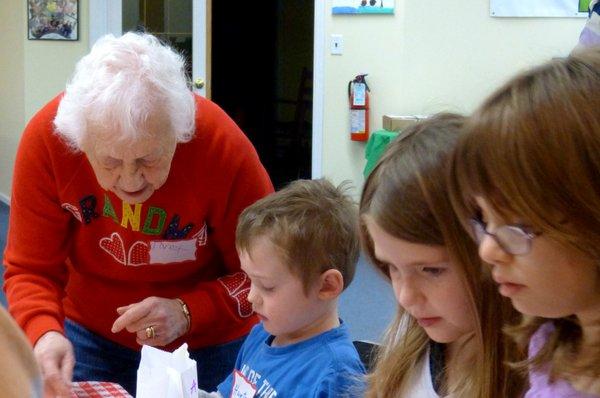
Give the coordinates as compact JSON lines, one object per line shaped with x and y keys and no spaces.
{"x":139,"y":254}
{"x":114,"y":246}
{"x":201,"y":236}
{"x":74,"y":210}
{"x":244,"y":306}
{"x":234,"y":282}
{"x":238,"y":287}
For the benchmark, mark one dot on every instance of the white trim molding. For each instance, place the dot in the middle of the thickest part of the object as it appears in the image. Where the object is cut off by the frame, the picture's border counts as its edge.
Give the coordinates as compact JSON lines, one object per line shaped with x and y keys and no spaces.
{"x":4,"y":199}
{"x":199,"y":54}
{"x":105,"y":17}
{"x":318,"y":89}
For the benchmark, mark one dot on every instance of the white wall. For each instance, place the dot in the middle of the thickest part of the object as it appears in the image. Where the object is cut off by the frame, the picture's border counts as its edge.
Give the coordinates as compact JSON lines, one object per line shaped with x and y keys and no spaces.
{"x":429,"y":57}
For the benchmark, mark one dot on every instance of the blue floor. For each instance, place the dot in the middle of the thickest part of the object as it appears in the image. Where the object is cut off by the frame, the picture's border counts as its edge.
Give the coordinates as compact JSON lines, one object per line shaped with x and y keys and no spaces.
{"x":367,"y":306}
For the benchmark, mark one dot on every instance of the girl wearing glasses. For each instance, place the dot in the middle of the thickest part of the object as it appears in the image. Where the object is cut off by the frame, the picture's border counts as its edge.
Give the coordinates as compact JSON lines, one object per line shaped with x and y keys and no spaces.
{"x":527,"y":174}
{"x":447,"y":338}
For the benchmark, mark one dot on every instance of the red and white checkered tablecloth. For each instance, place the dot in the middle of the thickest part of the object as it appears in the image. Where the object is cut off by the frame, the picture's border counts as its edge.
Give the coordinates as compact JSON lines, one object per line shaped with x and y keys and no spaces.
{"x":98,"y":389}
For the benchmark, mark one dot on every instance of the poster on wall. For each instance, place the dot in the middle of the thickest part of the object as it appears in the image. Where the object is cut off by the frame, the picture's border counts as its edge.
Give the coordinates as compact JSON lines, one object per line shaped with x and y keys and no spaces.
{"x":362,"y":7}
{"x":539,"y":8}
{"x":53,"y":19}
{"x":584,"y":5}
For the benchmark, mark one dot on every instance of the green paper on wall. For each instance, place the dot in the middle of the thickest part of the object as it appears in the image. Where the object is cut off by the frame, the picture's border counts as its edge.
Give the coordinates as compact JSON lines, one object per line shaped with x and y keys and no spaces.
{"x":378,"y":141}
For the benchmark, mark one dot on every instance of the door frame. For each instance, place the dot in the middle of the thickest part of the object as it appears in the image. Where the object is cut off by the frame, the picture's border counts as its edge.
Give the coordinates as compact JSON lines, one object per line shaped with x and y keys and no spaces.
{"x":318,"y":89}
{"x":105,"y":17}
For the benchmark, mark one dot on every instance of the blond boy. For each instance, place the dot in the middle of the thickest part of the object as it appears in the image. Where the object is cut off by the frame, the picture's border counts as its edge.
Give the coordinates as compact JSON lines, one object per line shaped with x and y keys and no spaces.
{"x":299,"y":247}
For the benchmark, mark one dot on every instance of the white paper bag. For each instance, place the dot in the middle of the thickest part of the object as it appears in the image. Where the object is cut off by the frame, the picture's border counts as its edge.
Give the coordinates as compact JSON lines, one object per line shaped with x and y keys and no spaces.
{"x":166,"y":375}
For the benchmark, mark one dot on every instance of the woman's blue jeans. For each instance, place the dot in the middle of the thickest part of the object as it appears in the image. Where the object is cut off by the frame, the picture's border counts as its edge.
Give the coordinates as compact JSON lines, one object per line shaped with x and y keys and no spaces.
{"x":99,"y":359}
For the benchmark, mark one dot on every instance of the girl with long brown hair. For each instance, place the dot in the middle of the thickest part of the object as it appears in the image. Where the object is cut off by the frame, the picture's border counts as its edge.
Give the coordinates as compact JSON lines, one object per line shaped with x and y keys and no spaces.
{"x":527,"y":176}
{"x":447,"y":338}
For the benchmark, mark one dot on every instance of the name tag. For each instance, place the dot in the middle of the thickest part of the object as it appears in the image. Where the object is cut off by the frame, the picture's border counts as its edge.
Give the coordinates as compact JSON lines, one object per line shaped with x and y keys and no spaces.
{"x":242,"y":388}
{"x":169,"y":251}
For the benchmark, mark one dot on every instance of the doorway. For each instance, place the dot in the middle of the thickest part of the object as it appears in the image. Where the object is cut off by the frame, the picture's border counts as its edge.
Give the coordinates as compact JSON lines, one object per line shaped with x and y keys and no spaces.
{"x":260,"y":63}
{"x":261,"y":75}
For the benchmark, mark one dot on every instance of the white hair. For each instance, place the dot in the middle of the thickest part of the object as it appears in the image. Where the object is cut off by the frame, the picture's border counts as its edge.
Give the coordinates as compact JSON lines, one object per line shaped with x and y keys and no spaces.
{"x":120,"y":83}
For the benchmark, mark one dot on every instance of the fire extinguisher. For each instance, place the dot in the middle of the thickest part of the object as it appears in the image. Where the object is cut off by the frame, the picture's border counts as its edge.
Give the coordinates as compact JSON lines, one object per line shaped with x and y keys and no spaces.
{"x":358,"y":94}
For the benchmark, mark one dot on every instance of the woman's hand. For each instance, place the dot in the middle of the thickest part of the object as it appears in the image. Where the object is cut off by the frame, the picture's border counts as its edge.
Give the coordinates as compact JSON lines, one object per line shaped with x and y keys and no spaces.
{"x":55,"y":357}
{"x":164,"y":316}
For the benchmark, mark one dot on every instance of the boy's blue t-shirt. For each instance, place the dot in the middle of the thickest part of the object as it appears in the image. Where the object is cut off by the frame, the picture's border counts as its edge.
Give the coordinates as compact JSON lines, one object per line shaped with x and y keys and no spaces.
{"x":326,"y":365}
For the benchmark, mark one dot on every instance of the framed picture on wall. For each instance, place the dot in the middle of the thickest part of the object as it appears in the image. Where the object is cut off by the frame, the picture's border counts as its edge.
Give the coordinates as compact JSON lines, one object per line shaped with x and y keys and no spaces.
{"x":53,"y":19}
{"x":362,"y":7}
{"x":539,"y":8}
{"x":584,"y":5}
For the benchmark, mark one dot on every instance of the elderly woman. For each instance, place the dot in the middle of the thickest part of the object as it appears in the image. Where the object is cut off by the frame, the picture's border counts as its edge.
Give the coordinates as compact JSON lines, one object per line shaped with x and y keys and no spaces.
{"x":127,"y":190}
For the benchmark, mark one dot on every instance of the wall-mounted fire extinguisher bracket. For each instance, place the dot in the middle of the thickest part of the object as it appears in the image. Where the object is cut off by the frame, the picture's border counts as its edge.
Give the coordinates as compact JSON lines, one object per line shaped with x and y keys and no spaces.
{"x":358,"y":94}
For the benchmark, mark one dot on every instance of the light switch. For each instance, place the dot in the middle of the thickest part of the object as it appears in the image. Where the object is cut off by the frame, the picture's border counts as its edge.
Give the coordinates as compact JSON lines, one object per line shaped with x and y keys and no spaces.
{"x":337,"y":44}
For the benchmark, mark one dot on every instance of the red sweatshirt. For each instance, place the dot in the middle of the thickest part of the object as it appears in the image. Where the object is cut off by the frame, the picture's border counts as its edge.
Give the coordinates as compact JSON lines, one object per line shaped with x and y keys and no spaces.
{"x":75,"y":250}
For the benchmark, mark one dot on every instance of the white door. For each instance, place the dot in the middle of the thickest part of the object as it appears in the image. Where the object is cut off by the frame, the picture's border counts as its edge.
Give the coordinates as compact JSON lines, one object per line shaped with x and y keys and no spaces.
{"x":109,"y":16}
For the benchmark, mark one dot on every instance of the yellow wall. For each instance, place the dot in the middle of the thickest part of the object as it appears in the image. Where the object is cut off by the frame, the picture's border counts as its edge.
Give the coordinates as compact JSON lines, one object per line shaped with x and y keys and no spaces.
{"x":426,"y":58}
{"x":33,"y":72}
{"x":430,"y":56}
{"x":49,"y":64}
{"x":11,"y":87}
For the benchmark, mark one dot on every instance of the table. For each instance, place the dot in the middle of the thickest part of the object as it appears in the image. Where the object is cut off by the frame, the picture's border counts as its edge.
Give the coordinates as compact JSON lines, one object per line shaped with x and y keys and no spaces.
{"x":98,"y":389}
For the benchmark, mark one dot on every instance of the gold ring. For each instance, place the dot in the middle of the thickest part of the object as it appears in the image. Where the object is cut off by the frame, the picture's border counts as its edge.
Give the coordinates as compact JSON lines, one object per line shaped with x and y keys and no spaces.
{"x":150,"y":333}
